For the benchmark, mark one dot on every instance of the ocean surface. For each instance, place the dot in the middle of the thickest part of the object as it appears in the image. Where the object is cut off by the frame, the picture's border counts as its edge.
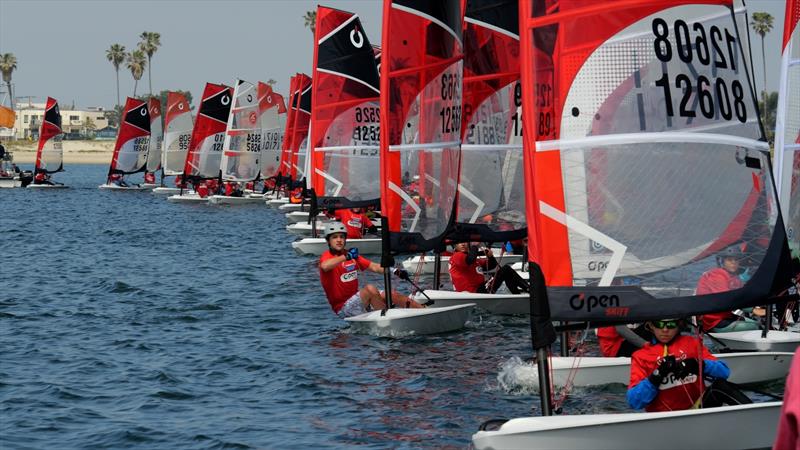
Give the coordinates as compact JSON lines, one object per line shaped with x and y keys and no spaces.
{"x":130,"y":322}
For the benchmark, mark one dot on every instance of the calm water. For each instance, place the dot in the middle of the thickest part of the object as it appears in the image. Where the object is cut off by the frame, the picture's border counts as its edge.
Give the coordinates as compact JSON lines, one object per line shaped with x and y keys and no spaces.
{"x":130,"y":322}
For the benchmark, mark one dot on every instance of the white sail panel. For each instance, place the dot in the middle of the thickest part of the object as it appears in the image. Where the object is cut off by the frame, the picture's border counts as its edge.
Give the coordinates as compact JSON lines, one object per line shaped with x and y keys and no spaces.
{"x":242,"y":148}
{"x":132,"y":155}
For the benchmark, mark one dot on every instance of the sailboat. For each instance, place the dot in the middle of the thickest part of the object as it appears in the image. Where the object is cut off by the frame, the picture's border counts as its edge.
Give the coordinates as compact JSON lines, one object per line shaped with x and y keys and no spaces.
{"x":297,"y":162}
{"x":178,"y":126}
{"x":283,"y":176}
{"x":156,"y":141}
{"x":242,"y":149}
{"x":49,"y":154}
{"x":628,"y":161}
{"x":204,"y":156}
{"x":490,"y":190}
{"x":344,"y":134}
{"x":272,"y":115}
{"x":420,"y":107}
{"x":130,"y":150}
{"x":787,"y":177}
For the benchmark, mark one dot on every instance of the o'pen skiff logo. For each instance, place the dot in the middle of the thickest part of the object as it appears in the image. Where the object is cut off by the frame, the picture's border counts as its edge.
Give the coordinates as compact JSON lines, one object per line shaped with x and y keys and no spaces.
{"x":353,"y":33}
{"x":349,"y":276}
{"x":609,"y":303}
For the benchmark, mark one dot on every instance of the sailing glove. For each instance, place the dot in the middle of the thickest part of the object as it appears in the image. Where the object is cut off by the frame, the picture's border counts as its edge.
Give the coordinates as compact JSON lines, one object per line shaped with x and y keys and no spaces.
{"x":351,"y":254}
{"x":665,"y":367}
{"x":402,"y":274}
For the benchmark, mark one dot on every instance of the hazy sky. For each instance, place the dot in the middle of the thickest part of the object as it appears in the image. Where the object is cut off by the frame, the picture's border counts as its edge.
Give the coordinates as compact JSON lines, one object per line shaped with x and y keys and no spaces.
{"x":60,"y":45}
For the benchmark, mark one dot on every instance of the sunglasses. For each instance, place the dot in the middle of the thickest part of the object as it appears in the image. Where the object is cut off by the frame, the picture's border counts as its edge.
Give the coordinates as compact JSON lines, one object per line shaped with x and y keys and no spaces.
{"x":669,"y":324}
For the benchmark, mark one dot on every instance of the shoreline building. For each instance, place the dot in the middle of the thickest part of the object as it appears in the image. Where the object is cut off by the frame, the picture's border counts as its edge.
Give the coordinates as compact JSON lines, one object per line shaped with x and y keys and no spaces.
{"x":77,"y":123}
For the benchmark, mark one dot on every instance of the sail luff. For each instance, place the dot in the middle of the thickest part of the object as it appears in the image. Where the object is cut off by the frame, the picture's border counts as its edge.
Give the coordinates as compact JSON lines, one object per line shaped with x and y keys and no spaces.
{"x":787,"y":126}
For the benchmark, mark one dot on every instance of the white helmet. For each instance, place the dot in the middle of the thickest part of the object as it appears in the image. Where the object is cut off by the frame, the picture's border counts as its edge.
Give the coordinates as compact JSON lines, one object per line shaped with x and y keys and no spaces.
{"x":333,"y":228}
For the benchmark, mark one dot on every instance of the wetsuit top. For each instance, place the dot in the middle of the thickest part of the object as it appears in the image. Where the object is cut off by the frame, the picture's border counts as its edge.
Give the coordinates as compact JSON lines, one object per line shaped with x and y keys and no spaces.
{"x":465,"y":275}
{"x":673,"y":393}
{"x":711,"y":282}
{"x":341,"y":282}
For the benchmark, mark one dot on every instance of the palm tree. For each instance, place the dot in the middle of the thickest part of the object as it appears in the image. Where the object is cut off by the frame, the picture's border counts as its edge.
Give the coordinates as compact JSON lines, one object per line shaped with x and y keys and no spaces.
{"x":136,"y":62}
{"x":149,"y":44}
{"x":762,"y":24}
{"x":116,"y":55}
{"x":310,"y":20}
{"x":8,"y":62}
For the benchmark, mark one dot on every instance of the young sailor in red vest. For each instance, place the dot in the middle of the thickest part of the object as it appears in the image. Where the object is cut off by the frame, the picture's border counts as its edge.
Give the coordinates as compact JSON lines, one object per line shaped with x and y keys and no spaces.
{"x":149,"y":177}
{"x":356,"y":222}
{"x":727,"y":277}
{"x":668,"y":373}
{"x":464,"y":264}
{"x":338,"y":273}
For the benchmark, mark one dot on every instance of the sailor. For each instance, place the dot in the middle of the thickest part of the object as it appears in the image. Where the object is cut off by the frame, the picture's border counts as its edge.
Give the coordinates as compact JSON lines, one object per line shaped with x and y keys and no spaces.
{"x":464,"y":265}
{"x":728,"y":276}
{"x":338,"y":273}
{"x":666,"y":374}
{"x":149,"y":177}
{"x":356,"y":221}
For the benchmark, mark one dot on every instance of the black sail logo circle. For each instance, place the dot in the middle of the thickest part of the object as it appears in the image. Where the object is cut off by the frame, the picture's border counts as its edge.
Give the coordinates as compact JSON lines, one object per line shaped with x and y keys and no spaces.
{"x":353,"y":33}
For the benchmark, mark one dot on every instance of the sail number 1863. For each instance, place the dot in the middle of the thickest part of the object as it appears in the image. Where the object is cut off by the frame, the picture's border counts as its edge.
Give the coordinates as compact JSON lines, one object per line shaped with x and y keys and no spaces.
{"x":451,"y":114}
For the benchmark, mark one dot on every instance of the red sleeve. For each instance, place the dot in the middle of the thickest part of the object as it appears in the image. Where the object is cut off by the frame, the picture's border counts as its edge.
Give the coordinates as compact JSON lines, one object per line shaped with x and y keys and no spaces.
{"x":365,"y":220}
{"x":707,"y":354}
{"x":711,"y":282}
{"x":363,"y":263}
{"x":640,"y":369}
{"x":459,"y":260}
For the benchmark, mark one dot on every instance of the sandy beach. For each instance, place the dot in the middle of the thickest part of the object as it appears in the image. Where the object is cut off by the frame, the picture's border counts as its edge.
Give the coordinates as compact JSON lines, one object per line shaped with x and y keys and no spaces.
{"x":75,"y":152}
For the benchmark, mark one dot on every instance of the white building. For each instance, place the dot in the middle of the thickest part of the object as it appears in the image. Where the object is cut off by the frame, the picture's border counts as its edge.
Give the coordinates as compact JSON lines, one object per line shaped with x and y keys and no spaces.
{"x":74,"y":122}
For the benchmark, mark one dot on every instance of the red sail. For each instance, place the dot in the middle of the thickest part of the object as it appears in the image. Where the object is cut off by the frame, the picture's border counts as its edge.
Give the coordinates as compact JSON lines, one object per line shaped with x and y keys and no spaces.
{"x":205,"y":148}
{"x":302,"y":117}
{"x":272,"y":114}
{"x":49,"y":140}
{"x":421,"y":80}
{"x":344,"y":133}
{"x":284,"y":169}
{"x":130,"y":150}
{"x":176,"y":105}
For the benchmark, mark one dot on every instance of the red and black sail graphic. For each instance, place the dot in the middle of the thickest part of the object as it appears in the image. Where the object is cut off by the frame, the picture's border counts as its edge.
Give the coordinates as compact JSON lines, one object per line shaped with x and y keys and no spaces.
{"x":205,"y":147}
{"x":49,"y":140}
{"x":130,"y":150}
{"x":345,"y":113}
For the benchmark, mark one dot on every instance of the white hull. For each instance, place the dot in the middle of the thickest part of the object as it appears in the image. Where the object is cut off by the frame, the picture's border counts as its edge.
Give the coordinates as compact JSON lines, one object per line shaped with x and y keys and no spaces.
{"x":8,"y":183}
{"x":187,"y":198}
{"x":114,"y":187}
{"x":304,"y":229}
{"x":494,"y":303}
{"x":404,"y":322}
{"x":318,"y":246}
{"x":274,"y":203}
{"x":291,"y":207}
{"x":746,"y":368}
{"x":776,"y":341}
{"x":149,"y":185}
{"x":297,"y":217}
{"x":729,"y":427}
{"x":225,"y":200}
{"x":170,"y":191}
{"x":428,"y":262}
{"x":47,"y":186}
